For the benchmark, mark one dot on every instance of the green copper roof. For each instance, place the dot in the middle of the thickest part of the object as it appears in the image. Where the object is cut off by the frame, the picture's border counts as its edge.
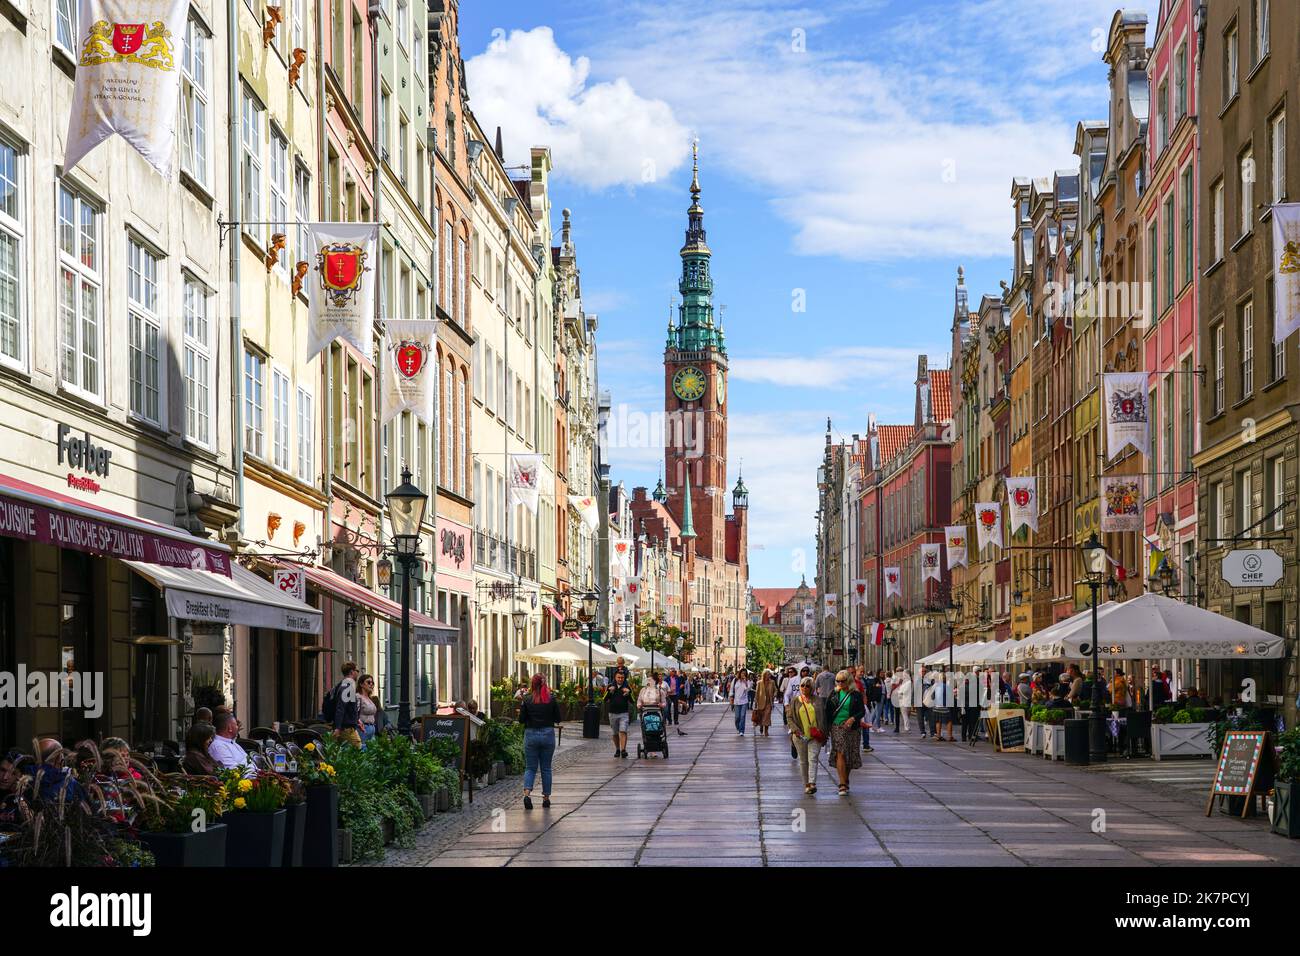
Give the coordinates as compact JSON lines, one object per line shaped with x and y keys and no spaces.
{"x":688,"y":522}
{"x":695,"y":330}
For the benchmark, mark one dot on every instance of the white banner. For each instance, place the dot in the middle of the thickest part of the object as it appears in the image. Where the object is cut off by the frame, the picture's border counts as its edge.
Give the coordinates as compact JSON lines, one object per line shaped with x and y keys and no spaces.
{"x":930,"y":562}
{"x":1121,"y":503}
{"x":954,"y":539}
{"x":832,"y":605}
{"x":525,"y":479}
{"x":893,"y":582}
{"x":988,"y":523}
{"x":292,"y":582}
{"x":1286,"y":269}
{"x":1128,"y":414}
{"x":412,"y":372}
{"x":585,"y":505}
{"x":633,"y":589}
{"x":128,"y":78}
{"x":620,"y":554}
{"x":1022,"y":503}
{"x":876,"y":633}
{"x":860,"y":591}
{"x":342,"y":291}
{"x":809,"y":621}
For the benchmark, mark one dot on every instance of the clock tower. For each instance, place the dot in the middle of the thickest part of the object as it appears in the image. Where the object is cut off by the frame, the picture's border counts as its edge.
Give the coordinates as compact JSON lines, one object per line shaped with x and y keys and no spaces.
{"x":695,"y":394}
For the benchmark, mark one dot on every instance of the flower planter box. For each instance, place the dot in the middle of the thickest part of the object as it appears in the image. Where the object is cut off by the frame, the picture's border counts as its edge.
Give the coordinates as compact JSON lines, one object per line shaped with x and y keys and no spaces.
{"x":295,"y":833}
{"x":255,"y":839}
{"x":1180,"y":740}
{"x":1054,"y":741}
{"x":386,"y":825}
{"x":428,"y":803}
{"x":501,"y":769}
{"x":1034,"y":737}
{"x":320,"y":841}
{"x":1285,"y":818}
{"x":343,"y":846}
{"x":442,"y":800}
{"x":492,"y":774}
{"x":205,"y":848}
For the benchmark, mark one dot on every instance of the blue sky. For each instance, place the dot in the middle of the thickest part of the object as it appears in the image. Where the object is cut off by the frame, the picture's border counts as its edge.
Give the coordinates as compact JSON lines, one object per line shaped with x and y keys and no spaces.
{"x":853,"y":154}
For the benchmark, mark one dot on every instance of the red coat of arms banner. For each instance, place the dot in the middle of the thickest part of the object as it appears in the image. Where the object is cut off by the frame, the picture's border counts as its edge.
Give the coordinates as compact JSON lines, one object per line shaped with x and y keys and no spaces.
{"x":954,"y":539}
{"x":411,"y":380}
{"x":1022,"y":502}
{"x":342,"y":295}
{"x":893,"y":582}
{"x":988,"y":523}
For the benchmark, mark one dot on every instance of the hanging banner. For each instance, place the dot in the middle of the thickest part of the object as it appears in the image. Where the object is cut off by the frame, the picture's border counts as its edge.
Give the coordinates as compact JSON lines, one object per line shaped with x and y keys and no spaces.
{"x":860,"y":592}
{"x":1022,"y":503}
{"x":809,"y":621}
{"x":620,"y":554}
{"x":988,"y":523}
{"x":1128,"y":415}
{"x":1286,"y":271}
{"x":128,"y":80}
{"x":876,"y":633}
{"x":342,"y":294}
{"x":633,"y":589}
{"x":954,"y":539}
{"x":930,"y":562}
{"x":585,"y":505}
{"x":525,"y":479}
{"x":832,"y":605}
{"x":893,"y":582}
{"x":1121,"y":498}
{"x":412,"y":373}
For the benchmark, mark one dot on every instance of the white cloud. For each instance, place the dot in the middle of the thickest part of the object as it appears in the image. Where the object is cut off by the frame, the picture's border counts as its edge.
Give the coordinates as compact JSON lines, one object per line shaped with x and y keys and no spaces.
{"x":600,"y":134}
{"x":835,"y":368}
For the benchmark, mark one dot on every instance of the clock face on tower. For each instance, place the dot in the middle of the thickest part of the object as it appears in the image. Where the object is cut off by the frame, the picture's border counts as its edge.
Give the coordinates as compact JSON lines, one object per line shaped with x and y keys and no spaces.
{"x":722,"y":387}
{"x":689,"y":383}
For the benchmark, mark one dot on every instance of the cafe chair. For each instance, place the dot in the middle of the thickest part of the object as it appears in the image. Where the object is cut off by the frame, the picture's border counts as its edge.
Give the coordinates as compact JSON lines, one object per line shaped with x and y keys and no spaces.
{"x":252,"y":746}
{"x":146,"y":759}
{"x":304,"y":737}
{"x":265,"y":733}
{"x":259,"y":761}
{"x":1139,"y":733}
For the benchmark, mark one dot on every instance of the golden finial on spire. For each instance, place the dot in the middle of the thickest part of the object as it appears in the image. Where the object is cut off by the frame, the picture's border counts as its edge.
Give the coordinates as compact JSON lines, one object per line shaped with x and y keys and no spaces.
{"x":695,"y":175}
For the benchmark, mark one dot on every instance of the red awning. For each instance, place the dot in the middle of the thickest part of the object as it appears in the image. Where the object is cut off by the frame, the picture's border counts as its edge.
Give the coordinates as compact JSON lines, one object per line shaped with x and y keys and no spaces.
{"x":424,"y":629}
{"x":33,"y":513}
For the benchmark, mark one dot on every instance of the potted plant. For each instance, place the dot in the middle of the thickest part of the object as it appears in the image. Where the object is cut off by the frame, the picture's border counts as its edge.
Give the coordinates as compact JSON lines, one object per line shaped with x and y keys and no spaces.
{"x":320,"y":828}
{"x":184,"y":827}
{"x":295,"y":822}
{"x":1286,"y":786}
{"x":1034,"y":725}
{"x":1054,"y":732}
{"x":255,"y":819}
{"x":1175,"y":733}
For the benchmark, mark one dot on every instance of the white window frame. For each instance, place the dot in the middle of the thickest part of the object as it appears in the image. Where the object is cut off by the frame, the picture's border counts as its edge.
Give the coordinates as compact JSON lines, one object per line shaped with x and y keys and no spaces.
{"x":146,"y":335}
{"x":196,"y":111}
{"x":196,"y":363}
{"x":460,"y":274}
{"x":254,"y":404}
{"x":302,"y":210}
{"x":65,"y":11}
{"x":403,"y":28}
{"x":1247,"y":174}
{"x":1247,"y":347}
{"x":250,"y":137}
{"x":298,"y":28}
{"x":403,"y":134}
{"x":13,"y":230}
{"x":448,"y":252}
{"x":1277,"y":155}
{"x":1217,"y":211}
{"x":1220,"y":367}
{"x":1278,"y":465}
{"x":461,"y":412}
{"x":86,"y":281}
{"x":1232,"y":50}
{"x":279,"y":193}
{"x":281,"y":388}
{"x":449,"y":403}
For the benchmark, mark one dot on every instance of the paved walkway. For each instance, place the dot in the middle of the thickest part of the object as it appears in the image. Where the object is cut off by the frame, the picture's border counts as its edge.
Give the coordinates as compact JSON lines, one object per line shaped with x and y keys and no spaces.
{"x":724,"y":800}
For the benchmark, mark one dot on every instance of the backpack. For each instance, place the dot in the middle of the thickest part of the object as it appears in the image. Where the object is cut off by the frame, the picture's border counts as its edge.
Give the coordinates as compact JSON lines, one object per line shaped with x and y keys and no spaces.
{"x":329,"y":705}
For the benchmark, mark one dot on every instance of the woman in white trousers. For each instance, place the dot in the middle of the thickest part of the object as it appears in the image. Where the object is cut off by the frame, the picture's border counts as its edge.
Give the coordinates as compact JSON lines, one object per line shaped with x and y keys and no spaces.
{"x":901,"y":698}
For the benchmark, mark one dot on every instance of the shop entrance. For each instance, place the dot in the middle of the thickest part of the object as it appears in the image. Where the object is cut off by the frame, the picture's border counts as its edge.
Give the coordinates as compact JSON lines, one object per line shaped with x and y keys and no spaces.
{"x":76,"y":633}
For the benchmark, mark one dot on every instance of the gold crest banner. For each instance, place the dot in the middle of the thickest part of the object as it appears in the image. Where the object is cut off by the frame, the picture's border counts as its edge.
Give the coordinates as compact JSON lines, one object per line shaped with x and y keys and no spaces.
{"x":1121,"y":503}
{"x":128,"y":78}
{"x":342,"y":279}
{"x":1286,"y":269}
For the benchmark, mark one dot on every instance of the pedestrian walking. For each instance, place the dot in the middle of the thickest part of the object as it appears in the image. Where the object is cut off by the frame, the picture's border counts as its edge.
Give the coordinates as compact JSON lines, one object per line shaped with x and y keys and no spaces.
{"x":865,"y":683}
{"x":844,"y":712}
{"x":926,"y":688}
{"x":764,"y":698}
{"x":900,"y":698}
{"x":825,"y":683}
{"x":941,"y":707}
{"x":540,"y":714}
{"x":740,"y":690}
{"x":681,"y":699}
{"x":807,"y":732}
{"x":618,"y":698}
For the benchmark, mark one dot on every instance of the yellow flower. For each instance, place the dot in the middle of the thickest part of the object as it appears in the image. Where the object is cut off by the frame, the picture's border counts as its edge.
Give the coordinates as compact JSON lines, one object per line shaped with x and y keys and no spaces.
{"x":240,"y":803}
{"x":245,"y":785}
{"x":310,"y":747}
{"x":329,"y":769}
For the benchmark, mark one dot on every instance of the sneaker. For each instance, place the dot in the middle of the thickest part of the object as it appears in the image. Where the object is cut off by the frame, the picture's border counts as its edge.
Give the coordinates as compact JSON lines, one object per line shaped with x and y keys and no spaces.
{"x":868,"y":750}
{"x":528,"y":803}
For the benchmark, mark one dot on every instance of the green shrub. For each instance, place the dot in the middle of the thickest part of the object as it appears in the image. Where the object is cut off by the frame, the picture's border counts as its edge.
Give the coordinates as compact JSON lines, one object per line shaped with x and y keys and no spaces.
{"x":1038,"y":715}
{"x":1288,"y":768}
{"x":1199,"y":715}
{"x":1056,"y":716}
{"x":1181,"y":717}
{"x":1164,"y":714}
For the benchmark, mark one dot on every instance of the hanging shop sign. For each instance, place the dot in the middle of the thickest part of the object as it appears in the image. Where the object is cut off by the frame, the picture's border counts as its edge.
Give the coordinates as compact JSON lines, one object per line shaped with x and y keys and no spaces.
{"x":1252,"y":568}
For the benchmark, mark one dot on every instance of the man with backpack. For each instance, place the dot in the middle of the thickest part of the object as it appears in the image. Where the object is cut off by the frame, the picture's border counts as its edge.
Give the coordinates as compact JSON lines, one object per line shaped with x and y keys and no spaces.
{"x":342,"y":709}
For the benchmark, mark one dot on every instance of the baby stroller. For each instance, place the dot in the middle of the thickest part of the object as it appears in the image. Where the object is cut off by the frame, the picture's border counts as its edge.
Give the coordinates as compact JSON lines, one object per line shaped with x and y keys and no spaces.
{"x":653,"y":738}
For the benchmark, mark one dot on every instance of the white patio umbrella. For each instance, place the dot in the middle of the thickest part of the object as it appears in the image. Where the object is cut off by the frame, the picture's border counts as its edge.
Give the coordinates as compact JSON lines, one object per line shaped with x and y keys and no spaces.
{"x":1044,"y":645}
{"x":635,"y":657}
{"x":565,"y":652}
{"x":991,"y":652}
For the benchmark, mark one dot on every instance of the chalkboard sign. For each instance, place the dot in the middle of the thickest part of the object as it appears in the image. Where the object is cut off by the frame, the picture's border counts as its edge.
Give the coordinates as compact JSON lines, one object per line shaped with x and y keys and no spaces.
{"x":452,"y":727}
{"x":1010,"y":731}
{"x":1243,"y":757}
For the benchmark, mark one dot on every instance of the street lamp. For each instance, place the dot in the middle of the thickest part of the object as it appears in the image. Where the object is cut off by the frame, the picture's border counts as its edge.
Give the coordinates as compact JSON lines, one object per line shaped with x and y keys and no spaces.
{"x":591,"y":713}
{"x":1094,"y":568}
{"x":406,"y":504}
{"x":652,"y":639}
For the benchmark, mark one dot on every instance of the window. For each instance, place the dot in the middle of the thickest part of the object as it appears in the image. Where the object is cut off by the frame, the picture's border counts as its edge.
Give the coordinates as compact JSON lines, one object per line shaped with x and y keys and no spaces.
{"x":460,"y":436}
{"x":254,"y":403}
{"x":403,"y":23}
{"x":1162,"y":118}
{"x":1187,"y":199}
{"x":1216,"y":211}
{"x":298,"y":26}
{"x":1217,"y":515}
{"x":1259,"y":30}
{"x":1153,"y":271}
{"x":403,"y":134}
{"x":1277,"y":155}
{"x":280,"y":192}
{"x":385,"y":98}
{"x":1188,"y":411}
{"x":146,"y":334}
{"x":65,"y":26}
{"x":78,"y":291}
{"x":1246,"y":348}
{"x":198,"y":362}
{"x":448,"y":250}
{"x":280,"y":419}
{"x":13,"y":327}
{"x":251,"y":165}
{"x":1274,"y":492}
{"x":1242,"y":507}
{"x":1247,"y":191}
{"x":489,"y":384}
{"x":1170,"y":417}
{"x":302,"y":211}
{"x":460,"y":273}
{"x":1218,"y":368}
{"x":358,"y":61}
{"x":306,"y":437}
{"x":194,"y":101}
{"x":1180,"y":83}
{"x":478,"y":370}
{"x":1170,"y":229}
{"x":1231,"y":55}
{"x":449,"y":436}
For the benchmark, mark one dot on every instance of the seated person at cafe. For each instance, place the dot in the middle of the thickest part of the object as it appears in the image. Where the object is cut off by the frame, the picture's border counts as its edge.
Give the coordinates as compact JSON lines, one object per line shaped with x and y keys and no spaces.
{"x":224,"y":749}
{"x":13,"y":810}
{"x":198,"y":759}
{"x":1194,"y":698}
{"x":115,"y":754}
{"x":202,"y":716}
{"x":57,"y":779}
{"x":1060,"y":698}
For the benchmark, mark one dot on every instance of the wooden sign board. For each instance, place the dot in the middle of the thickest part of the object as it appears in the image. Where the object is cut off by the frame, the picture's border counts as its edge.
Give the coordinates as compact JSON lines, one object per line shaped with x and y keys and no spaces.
{"x":1245,"y":761}
{"x":452,"y":727}
{"x":1008,"y":731}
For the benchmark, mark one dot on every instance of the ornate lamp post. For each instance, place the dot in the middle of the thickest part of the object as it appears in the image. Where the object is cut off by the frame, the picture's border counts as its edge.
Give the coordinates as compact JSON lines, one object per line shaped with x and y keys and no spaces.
{"x":1094,"y":568}
{"x":652,"y":640}
{"x":406,"y":504}
{"x":591,"y":713}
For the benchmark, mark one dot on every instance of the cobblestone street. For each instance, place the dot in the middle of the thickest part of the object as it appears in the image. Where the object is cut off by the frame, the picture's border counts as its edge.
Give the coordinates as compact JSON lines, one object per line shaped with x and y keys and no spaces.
{"x":724,"y":800}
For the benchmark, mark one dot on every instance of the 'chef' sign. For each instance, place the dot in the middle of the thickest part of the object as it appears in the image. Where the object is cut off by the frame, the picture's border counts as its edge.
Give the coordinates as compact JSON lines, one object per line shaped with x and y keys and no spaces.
{"x":1252,"y":568}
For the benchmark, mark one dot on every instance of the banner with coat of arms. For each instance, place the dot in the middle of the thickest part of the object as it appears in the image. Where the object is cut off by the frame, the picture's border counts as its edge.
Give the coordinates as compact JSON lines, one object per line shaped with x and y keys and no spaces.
{"x":620,"y":554}
{"x":1286,"y":269}
{"x":860,"y":591}
{"x":954,"y":539}
{"x":585,"y":505}
{"x":930,"y":562}
{"x":411,"y":345}
{"x":893,"y":582}
{"x":525,"y":479}
{"x":342,"y":289}
{"x":1128,"y":414}
{"x":809,"y":622}
{"x":1121,"y":503}
{"x":1022,"y":503}
{"x":832,"y":605}
{"x":988,"y":523}
{"x":128,"y":78}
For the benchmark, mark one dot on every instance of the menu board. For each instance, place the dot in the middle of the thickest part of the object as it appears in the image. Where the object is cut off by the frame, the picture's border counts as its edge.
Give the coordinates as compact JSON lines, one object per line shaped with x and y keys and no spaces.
{"x":1241,"y":758}
{"x":1010,"y":727}
{"x":449,"y":727}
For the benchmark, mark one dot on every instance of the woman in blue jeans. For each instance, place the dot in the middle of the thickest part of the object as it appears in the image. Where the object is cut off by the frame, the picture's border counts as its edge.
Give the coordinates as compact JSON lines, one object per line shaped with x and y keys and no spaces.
{"x":539,"y":713}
